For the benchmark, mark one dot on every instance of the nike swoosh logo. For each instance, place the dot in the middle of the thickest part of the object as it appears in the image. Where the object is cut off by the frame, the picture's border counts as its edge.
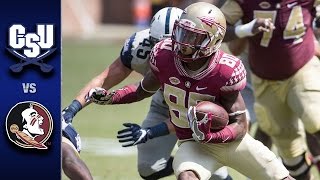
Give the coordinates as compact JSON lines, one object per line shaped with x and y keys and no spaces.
{"x":200,"y":88}
{"x":290,"y":5}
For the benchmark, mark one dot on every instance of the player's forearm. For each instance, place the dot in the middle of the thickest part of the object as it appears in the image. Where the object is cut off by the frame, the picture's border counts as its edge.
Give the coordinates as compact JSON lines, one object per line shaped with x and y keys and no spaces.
{"x":231,"y":132}
{"x":235,"y":106}
{"x":116,"y":73}
{"x":161,"y":129}
{"x":239,"y":31}
{"x":129,"y":94}
{"x":237,"y":118}
{"x":82,"y":96}
{"x":111,"y":76}
{"x":240,"y":125}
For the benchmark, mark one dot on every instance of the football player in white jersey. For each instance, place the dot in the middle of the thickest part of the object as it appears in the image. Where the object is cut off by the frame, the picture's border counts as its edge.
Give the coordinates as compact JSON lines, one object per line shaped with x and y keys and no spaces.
{"x":154,"y":161}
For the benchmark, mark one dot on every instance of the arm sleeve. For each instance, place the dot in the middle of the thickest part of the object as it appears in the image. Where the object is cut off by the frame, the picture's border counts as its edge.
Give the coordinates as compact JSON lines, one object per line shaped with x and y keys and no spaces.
{"x":236,"y":81}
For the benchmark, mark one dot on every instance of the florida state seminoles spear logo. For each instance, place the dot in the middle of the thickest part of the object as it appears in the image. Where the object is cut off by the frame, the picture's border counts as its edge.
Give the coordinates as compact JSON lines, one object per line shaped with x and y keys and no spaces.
{"x":29,"y":125}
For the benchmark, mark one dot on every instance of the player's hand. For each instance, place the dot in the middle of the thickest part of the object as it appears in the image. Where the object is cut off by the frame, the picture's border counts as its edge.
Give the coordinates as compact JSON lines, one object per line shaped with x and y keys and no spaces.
{"x":67,"y":115}
{"x":200,"y":129}
{"x":262,"y":25}
{"x":100,"y":96}
{"x":133,"y":134}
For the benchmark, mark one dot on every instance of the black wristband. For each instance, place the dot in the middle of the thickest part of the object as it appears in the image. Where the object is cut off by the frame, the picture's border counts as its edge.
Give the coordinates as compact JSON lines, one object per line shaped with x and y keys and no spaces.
{"x":75,"y":106}
{"x":158,"y":130}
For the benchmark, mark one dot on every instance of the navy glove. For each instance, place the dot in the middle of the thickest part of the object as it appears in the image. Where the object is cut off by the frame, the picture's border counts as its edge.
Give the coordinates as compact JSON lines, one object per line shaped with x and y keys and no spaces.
{"x":133,"y":134}
{"x":69,"y":112}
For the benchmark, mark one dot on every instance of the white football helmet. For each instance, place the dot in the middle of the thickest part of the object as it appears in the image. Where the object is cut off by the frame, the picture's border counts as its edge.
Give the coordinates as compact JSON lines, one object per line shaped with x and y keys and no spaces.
{"x":199,"y":31}
{"x":162,"y":23}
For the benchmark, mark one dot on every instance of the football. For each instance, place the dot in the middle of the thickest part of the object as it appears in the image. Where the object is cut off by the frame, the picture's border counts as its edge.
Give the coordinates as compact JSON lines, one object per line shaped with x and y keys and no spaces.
{"x":220,"y":117}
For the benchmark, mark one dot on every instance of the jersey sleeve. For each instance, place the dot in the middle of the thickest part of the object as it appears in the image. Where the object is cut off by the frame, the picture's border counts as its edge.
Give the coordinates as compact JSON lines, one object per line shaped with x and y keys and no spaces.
{"x":232,"y":11}
{"x":160,"y":57}
{"x":234,"y":73}
{"x":126,"y":51}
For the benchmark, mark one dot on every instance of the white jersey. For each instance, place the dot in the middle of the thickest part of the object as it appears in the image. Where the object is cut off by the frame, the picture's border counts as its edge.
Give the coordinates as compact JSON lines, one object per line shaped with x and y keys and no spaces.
{"x":135,"y":53}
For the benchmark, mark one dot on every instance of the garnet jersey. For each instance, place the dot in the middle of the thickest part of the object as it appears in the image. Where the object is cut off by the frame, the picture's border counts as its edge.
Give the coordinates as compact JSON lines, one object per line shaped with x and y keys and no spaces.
{"x":135,"y":53}
{"x":224,"y":73}
{"x":280,"y":53}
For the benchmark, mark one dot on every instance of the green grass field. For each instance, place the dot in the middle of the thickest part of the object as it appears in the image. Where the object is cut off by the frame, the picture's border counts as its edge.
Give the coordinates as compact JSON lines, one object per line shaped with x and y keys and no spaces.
{"x":98,"y":125}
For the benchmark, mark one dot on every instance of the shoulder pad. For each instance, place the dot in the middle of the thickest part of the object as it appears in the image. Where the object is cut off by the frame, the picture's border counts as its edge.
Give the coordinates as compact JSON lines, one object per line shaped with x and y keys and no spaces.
{"x":232,"y":69}
{"x":136,"y":49}
{"x":162,"y":47}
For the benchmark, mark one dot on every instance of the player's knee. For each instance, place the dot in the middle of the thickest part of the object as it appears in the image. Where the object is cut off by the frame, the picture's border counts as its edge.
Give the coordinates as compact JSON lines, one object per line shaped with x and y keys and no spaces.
{"x":188,"y":175}
{"x":299,"y":167}
{"x":146,"y":170}
{"x":312,"y":128}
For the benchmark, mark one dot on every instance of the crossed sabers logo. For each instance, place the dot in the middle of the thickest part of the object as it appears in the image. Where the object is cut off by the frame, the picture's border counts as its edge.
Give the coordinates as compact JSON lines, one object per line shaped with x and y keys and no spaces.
{"x":27,"y":46}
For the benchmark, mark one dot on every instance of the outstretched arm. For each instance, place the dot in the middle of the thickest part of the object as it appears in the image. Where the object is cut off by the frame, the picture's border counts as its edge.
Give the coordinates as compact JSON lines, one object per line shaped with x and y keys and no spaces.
{"x":233,"y":13}
{"x":111,"y":76}
{"x":249,"y":29}
{"x":128,"y":94}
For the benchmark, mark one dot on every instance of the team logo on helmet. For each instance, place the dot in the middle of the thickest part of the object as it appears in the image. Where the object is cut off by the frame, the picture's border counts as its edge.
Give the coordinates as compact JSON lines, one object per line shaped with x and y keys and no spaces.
{"x":210,"y":21}
{"x":29,"y":125}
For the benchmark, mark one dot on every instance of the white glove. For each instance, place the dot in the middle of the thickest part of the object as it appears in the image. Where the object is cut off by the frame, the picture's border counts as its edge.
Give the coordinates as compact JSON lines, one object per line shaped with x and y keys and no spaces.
{"x":100,"y":96}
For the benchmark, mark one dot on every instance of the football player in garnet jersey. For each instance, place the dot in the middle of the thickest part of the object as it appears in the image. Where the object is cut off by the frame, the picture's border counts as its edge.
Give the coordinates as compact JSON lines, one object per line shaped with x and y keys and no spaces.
{"x":285,"y":72}
{"x":190,"y":68}
{"x":154,"y":161}
{"x":239,"y":47}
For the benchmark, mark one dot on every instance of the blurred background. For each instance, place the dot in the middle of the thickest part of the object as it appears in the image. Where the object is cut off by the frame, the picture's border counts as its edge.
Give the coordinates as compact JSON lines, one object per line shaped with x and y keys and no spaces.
{"x":93,"y":34}
{"x":113,"y":19}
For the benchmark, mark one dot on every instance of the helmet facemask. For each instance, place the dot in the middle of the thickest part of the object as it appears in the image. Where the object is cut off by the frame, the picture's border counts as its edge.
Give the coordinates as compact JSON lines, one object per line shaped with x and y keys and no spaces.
{"x":191,"y":43}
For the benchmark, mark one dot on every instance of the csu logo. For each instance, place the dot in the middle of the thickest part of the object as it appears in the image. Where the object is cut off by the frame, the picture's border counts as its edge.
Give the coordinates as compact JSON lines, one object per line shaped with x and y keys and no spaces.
{"x":29,"y":125}
{"x":31,"y":47}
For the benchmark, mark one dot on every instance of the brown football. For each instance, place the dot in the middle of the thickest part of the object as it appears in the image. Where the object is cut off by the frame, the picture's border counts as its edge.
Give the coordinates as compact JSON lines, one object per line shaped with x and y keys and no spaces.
{"x":219,"y":114}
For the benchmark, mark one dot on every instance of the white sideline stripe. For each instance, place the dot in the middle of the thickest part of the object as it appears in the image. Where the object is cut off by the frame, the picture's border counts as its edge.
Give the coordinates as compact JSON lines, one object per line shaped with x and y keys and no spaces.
{"x":106,"y":147}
